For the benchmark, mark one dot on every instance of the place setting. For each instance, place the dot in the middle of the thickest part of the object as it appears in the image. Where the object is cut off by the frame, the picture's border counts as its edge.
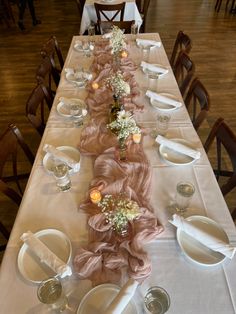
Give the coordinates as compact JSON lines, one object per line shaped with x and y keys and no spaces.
{"x":78,"y":77}
{"x":163,"y":101}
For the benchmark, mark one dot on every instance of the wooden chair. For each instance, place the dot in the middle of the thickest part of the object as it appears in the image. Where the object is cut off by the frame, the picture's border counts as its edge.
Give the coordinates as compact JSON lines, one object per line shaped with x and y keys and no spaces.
{"x":182,"y":43}
{"x":51,"y":49}
{"x":123,"y":25}
{"x":226,"y":138}
{"x":184,"y":71}
{"x":115,"y":10}
{"x":80,"y":6}
{"x":197,"y":102}
{"x":46,"y":76}
{"x":6,"y":13}
{"x":10,"y":141}
{"x":143,"y":6}
{"x":219,"y":2}
{"x":35,"y":107}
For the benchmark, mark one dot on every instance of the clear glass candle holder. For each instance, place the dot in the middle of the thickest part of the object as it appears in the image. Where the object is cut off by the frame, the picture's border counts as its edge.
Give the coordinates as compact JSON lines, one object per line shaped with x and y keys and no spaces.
{"x":50,"y":292}
{"x":156,"y":301}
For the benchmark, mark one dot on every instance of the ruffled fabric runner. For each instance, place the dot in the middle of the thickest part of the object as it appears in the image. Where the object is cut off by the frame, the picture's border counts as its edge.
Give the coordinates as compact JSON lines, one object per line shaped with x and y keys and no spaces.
{"x":106,"y":254}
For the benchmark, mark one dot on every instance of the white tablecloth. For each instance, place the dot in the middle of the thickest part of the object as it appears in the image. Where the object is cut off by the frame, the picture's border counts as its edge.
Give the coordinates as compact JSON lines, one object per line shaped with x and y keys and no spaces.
{"x":192,"y":288}
{"x":89,"y":13}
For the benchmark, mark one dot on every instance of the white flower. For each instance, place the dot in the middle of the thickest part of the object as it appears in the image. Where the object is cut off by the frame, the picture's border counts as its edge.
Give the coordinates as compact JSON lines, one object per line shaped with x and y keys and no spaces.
{"x":118,"y":85}
{"x":117,"y":40}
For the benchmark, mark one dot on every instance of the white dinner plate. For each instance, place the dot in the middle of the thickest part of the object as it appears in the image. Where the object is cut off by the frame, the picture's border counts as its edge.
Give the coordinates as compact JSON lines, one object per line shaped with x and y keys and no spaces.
{"x":63,"y":109}
{"x":29,"y":264}
{"x":173,"y":157}
{"x":195,"y":250}
{"x":99,"y":298}
{"x":160,"y":74}
{"x":164,"y":107}
{"x":69,"y":150}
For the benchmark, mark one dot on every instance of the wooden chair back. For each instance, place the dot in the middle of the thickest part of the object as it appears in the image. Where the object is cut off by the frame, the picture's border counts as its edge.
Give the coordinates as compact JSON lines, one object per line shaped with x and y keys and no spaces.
{"x":197,"y":102}
{"x":36,"y":107}
{"x":184,"y":71}
{"x":80,"y":6}
{"x":182,"y":43}
{"x":143,"y":6}
{"x":46,"y":76}
{"x":114,"y":9}
{"x":51,"y":49}
{"x":223,"y":136}
{"x":123,"y":25}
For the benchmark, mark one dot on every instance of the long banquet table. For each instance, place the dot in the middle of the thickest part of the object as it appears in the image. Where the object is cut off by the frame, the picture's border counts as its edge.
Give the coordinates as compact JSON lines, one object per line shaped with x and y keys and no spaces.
{"x":192,"y":288}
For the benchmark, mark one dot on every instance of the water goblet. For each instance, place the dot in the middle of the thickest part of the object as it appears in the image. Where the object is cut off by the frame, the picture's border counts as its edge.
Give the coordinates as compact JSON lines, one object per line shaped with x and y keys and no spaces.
{"x":91,"y":32}
{"x":61,"y":174}
{"x":152,"y":80}
{"x":184,"y":194}
{"x":76,"y":113}
{"x":50,"y":292}
{"x":163,"y":120}
{"x":86,"y":49}
{"x":156,"y":301}
{"x":146,"y":52}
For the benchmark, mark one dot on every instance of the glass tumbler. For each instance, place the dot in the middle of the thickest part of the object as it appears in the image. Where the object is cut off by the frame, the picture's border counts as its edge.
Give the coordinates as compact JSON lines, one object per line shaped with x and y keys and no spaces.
{"x":156,"y":301}
{"x":184,"y":194}
{"x":61,"y":174}
{"x":162,"y":123}
{"x":134,"y":31}
{"x":76,"y":114}
{"x":50,"y":292}
{"x":91,"y":32}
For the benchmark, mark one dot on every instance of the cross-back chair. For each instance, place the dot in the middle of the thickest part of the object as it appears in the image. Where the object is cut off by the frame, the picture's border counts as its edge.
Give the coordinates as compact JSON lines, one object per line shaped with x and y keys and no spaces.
{"x":11,"y":141}
{"x":197,"y":102}
{"x":36,"y":107}
{"x":182,"y":43}
{"x":225,"y":137}
{"x":51,"y":49}
{"x":184,"y":71}
{"x":143,"y":6}
{"x":123,"y":25}
{"x":109,"y":12}
{"x":46,"y":76}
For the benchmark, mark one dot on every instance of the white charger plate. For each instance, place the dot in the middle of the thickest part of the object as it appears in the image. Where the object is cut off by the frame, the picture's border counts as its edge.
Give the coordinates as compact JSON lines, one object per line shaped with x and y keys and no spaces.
{"x":160,"y":75}
{"x":164,"y":107}
{"x":175,"y":158}
{"x":69,"y":150}
{"x":99,"y":298}
{"x":63,"y":110}
{"x":29,"y":264}
{"x":196,"y":251}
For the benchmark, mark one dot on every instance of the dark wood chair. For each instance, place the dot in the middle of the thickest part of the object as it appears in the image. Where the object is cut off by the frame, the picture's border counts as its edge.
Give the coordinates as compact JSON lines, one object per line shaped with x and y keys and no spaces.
{"x":224,"y":138}
{"x":219,"y":2}
{"x":6,"y":14}
{"x":46,"y":76}
{"x":115,"y":10}
{"x":143,"y":6}
{"x":51,"y":50}
{"x":80,"y":6}
{"x":182,"y":43}
{"x":123,"y":25}
{"x":197,"y":102}
{"x":36,"y":107}
{"x":11,"y":141}
{"x":184,"y":71}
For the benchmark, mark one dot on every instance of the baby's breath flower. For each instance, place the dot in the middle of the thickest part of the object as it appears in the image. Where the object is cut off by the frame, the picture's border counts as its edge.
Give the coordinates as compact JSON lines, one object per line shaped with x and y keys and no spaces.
{"x":118,"y":85}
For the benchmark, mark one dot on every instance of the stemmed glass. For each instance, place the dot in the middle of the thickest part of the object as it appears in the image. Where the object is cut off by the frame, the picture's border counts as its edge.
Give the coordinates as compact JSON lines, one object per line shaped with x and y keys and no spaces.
{"x":76,"y":113}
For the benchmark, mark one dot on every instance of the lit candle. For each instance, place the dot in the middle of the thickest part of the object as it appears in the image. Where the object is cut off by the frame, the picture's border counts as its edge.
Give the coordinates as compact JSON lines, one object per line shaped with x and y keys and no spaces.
{"x":124,"y":54}
{"x":95,"y":85}
{"x":137,"y":138}
{"x":95,"y":196}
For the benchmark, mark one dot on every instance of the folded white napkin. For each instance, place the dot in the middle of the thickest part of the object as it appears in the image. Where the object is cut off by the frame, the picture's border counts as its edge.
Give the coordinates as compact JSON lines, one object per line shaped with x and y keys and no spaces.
{"x":78,"y":44}
{"x":45,"y":255}
{"x":178,"y":147}
{"x":59,"y":155}
{"x":107,"y":35}
{"x":202,"y":236}
{"x":69,"y":102}
{"x":77,"y":74}
{"x":164,"y":99}
{"x":123,"y":297}
{"x":154,"y":68}
{"x":146,"y":42}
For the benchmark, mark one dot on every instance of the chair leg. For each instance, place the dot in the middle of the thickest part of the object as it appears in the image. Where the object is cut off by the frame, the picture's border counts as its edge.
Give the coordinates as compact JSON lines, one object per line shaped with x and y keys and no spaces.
{"x":232,"y":9}
{"x":218,"y":5}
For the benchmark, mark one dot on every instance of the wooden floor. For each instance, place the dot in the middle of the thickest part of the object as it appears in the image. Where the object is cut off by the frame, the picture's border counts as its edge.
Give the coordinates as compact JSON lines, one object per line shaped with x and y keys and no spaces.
{"x":214,"y":51}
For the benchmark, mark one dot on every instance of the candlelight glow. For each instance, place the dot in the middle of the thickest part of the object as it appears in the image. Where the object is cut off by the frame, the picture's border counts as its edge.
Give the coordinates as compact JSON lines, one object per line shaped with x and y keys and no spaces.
{"x":124,"y":54}
{"x":95,"y":85}
{"x":95,"y":196}
{"x":137,"y":138}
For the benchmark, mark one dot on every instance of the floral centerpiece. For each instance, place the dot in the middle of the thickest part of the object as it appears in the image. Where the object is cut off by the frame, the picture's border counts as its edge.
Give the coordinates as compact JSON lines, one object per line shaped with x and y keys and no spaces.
{"x":118,"y":85}
{"x":119,"y":211}
{"x":117,"y":40}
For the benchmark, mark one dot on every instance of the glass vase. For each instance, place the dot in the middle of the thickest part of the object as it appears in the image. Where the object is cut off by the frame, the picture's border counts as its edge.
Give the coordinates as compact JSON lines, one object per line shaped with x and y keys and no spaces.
{"x":115,"y":108}
{"x":124,"y":232}
{"x":122,"y":149}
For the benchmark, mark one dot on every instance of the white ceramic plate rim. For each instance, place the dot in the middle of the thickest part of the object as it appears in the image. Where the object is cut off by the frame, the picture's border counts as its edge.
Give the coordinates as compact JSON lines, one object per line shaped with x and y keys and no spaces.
{"x":160,"y":75}
{"x":61,"y":104}
{"x":24,"y":247}
{"x":106,"y":285}
{"x":181,"y":141}
{"x":213,"y":223}
{"x":64,"y":149}
{"x":171,"y":108}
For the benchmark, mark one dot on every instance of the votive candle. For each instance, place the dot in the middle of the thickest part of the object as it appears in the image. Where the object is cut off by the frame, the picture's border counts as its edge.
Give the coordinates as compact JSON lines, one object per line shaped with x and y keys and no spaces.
{"x":95,"y":85}
{"x":95,"y":196}
{"x":124,"y":54}
{"x":137,"y":138}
